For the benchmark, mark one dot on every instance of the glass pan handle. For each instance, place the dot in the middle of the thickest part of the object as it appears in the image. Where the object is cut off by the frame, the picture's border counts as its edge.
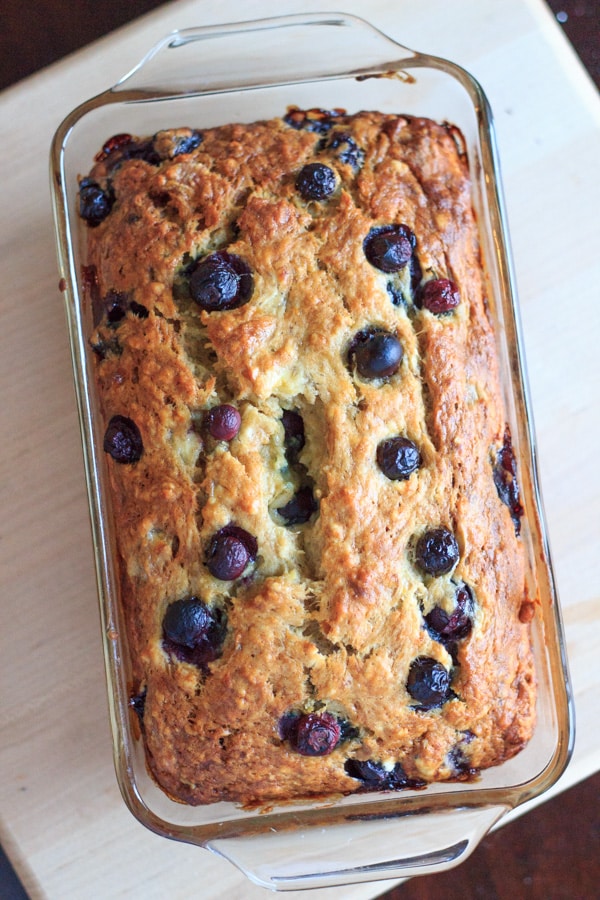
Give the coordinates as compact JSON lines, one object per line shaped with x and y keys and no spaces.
{"x":279,"y":50}
{"x":367,"y":848}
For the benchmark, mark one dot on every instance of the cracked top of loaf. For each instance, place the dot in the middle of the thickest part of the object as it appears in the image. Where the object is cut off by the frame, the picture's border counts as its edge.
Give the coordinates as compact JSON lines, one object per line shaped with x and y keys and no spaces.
{"x":314,"y":493}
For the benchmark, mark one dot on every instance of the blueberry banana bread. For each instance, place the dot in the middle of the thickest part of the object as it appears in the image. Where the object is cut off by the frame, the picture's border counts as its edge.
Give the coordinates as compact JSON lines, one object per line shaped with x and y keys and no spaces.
{"x":314,"y":490}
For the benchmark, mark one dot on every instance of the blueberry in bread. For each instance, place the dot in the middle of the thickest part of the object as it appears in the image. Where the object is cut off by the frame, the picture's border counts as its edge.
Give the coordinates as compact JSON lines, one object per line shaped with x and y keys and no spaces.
{"x":313,"y":486}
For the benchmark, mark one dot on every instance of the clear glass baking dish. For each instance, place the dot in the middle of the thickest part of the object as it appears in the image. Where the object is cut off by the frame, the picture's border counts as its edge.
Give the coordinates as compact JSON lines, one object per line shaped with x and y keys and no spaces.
{"x":243,"y":72}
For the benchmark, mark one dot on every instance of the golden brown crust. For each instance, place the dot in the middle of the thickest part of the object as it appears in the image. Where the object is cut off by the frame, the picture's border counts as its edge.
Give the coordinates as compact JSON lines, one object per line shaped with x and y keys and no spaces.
{"x":331,"y":613}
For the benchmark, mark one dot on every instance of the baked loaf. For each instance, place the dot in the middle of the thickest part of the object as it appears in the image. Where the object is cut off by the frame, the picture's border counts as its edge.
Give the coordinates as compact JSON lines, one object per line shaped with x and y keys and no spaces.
{"x":313,"y":485}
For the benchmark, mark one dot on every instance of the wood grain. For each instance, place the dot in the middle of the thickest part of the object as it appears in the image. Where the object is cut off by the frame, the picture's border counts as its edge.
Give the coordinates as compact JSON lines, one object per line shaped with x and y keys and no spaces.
{"x":62,"y":820}
{"x":550,"y":854}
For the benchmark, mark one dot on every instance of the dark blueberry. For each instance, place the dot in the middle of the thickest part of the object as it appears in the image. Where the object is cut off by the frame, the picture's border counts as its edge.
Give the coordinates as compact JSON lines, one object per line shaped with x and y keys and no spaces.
{"x":221,"y":281}
{"x":316,"y":734}
{"x":288,"y":726}
{"x":317,"y":120}
{"x":439,"y":296}
{"x":300,"y":508}
{"x":143,"y":150}
{"x":104,"y":348}
{"x":457,"y":758}
{"x":350,"y":153}
{"x":139,"y":310}
{"x":448,"y":627}
{"x":376,"y":353}
{"x":315,"y":182}
{"x":416,"y":273}
{"x":229,"y":552}
{"x":94,"y":203}
{"x":398,"y":458}
{"x":138,"y":704}
{"x":294,"y":118}
{"x":122,"y":440}
{"x":428,"y":682}
{"x":228,"y":559}
{"x":348,"y":731}
{"x":375,"y":777}
{"x":505,"y":479}
{"x":436,"y":552}
{"x":115,"y":303}
{"x":396,"y":295}
{"x":389,"y":247}
{"x":121,"y":147}
{"x":223,"y":422}
{"x":293,"y":426}
{"x":506,"y":455}
{"x":319,"y":126}
{"x":193,"y":632}
{"x":187,"y":143}
{"x":459,"y":763}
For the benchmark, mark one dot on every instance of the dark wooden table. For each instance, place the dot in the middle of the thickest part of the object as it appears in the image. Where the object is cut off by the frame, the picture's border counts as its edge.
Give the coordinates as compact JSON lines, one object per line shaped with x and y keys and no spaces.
{"x":35,"y":34}
{"x":554,"y":851}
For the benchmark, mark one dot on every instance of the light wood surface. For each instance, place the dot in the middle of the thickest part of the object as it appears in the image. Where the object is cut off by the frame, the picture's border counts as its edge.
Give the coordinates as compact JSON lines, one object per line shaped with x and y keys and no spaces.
{"x":62,"y":820}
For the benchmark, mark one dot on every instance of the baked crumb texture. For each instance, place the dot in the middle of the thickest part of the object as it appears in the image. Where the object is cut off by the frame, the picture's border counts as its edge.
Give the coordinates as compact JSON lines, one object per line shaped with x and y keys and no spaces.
{"x":323,"y":670}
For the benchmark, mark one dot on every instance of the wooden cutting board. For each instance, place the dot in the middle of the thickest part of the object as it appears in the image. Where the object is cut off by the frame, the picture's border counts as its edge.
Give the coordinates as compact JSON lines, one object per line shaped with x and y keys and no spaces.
{"x":61,"y":816}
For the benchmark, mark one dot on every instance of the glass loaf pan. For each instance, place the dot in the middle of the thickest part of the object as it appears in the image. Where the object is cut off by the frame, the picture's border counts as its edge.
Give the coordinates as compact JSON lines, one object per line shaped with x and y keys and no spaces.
{"x":244,"y":72}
